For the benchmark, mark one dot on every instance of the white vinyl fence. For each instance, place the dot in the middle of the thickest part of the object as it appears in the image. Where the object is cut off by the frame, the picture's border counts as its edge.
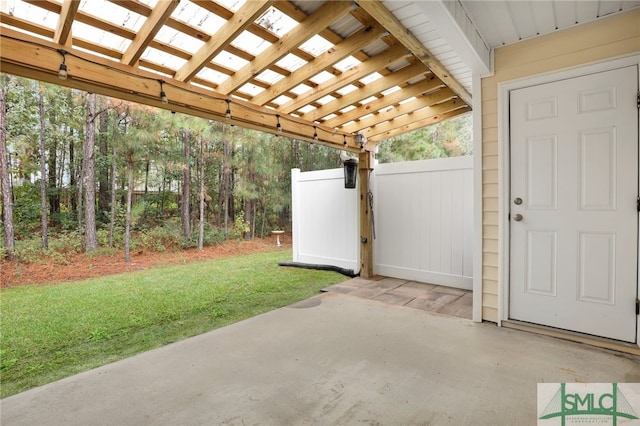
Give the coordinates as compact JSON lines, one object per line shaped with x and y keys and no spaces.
{"x":324,"y":219}
{"x":423,"y":213}
{"x":424,"y":221}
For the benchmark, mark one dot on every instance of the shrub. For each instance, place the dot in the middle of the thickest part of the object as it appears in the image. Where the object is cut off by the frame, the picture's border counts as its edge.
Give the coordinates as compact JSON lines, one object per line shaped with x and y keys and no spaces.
{"x":62,"y":246}
{"x":159,"y":238}
{"x":26,"y":210}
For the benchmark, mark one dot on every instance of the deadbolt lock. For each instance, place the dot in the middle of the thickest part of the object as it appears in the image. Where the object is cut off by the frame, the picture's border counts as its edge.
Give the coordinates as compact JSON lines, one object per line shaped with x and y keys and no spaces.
{"x":517,"y":201}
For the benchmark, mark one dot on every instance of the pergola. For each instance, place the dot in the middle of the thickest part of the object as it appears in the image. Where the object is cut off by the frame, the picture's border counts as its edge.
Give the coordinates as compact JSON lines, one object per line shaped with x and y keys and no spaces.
{"x":345,"y":74}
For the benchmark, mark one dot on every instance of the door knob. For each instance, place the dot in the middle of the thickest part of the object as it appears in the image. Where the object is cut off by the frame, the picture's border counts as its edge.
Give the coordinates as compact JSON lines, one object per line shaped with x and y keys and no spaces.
{"x":517,"y":217}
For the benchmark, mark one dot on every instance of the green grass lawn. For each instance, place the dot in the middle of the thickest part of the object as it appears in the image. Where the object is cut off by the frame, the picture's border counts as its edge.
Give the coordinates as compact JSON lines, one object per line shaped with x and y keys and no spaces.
{"x":54,"y":331}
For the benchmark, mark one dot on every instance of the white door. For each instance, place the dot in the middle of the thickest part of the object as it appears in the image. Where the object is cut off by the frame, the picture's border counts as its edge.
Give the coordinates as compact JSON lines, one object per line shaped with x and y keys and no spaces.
{"x":573,"y":207}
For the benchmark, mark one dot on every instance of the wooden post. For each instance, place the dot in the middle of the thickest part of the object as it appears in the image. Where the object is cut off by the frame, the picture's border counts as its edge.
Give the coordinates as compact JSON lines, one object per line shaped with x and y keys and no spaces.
{"x":365,"y":165}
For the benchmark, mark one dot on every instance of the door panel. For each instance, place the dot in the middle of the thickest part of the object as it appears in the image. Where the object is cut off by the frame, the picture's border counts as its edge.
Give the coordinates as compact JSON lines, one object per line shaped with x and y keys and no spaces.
{"x":597,"y":167}
{"x":574,"y":221}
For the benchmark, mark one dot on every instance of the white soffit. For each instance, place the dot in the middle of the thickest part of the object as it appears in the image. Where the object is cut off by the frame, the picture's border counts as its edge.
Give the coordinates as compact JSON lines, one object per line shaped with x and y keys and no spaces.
{"x":427,"y":26}
{"x":462,"y":34}
{"x":503,"y":22}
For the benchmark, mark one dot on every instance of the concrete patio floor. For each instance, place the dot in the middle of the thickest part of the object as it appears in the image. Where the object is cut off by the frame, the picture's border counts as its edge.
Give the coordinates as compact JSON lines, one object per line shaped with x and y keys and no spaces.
{"x":334,"y":359}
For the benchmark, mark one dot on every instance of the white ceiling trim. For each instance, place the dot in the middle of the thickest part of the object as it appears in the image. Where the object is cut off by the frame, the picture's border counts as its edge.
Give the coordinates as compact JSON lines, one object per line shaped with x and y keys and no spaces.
{"x":460,"y":32}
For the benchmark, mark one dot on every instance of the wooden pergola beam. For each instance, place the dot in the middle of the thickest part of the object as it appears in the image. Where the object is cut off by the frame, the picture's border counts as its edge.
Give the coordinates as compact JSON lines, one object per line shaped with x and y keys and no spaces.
{"x":409,"y":120}
{"x":31,"y":57}
{"x":413,"y":117}
{"x":14,"y":21}
{"x":371,"y":89}
{"x":65,"y":20}
{"x":388,"y":57}
{"x":148,"y":31}
{"x":431,"y":82}
{"x":236,"y":24}
{"x":428,"y":121}
{"x":337,"y":53}
{"x":392,"y":113}
{"x":381,"y":14}
{"x":314,"y":23}
{"x":328,"y":34}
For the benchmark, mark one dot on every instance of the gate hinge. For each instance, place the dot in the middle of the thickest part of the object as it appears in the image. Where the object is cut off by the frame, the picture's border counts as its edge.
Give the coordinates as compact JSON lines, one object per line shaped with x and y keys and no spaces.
{"x":638,"y":100}
{"x":638,"y":203}
{"x":637,"y":306}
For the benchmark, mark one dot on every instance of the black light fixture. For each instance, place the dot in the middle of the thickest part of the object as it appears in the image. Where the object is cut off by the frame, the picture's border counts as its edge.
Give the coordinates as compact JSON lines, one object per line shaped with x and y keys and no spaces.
{"x":350,"y":172}
{"x":163,"y":95}
{"x":344,"y":140}
{"x":278,"y":126}
{"x":315,"y":133}
{"x":228,"y":113}
{"x":62,"y":71}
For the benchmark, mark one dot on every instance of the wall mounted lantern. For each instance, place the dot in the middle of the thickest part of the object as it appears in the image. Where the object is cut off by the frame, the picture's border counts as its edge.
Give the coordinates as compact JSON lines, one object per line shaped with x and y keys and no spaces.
{"x":350,"y":172}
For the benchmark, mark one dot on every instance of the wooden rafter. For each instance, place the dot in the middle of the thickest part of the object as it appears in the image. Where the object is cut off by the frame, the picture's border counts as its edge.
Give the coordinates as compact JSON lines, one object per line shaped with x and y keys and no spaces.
{"x":427,"y":121}
{"x":247,"y":14}
{"x":314,"y":23}
{"x":396,"y":111}
{"x":413,"y":117}
{"x":31,"y":27}
{"x":371,"y":89}
{"x":67,"y":15}
{"x":340,"y":51}
{"x":381,"y":14}
{"x":388,"y":57}
{"x":327,"y":33}
{"x":148,"y":31}
{"x":430,"y":83}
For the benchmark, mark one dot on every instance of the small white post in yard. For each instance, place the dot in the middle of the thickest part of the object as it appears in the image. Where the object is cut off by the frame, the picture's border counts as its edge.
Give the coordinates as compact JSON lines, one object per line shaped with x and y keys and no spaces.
{"x":277,"y":234}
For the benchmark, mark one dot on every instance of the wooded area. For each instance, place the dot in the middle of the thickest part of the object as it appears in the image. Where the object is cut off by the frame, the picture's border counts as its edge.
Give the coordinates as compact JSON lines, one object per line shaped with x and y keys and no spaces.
{"x":111,"y":167}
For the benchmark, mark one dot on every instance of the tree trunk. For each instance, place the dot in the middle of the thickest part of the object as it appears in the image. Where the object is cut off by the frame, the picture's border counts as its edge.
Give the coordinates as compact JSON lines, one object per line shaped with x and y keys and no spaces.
{"x":220,"y":195}
{"x":54,"y":198}
{"x":7,"y":197}
{"x":232,"y":201}
{"x":90,"y":238}
{"x":103,"y":173}
{"x":264,"y":219}
{"x":72,"y":175}
{"x":226,"y":179}
{"x":248,"y":209}
{"x":112,"y":214}
{"x":202,"y":195}
{"x":53,"y":161}
{"x":185,"y":211}
{"x":44,"y":217}
{"x":127,"y":221}
{"x":255,"y":219}
{"x":78,"y":194}
{"x":147,"y":168}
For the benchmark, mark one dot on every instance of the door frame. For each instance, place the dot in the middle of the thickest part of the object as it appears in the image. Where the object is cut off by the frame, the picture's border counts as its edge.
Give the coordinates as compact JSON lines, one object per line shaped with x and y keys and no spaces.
{"x":504,"y":166}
